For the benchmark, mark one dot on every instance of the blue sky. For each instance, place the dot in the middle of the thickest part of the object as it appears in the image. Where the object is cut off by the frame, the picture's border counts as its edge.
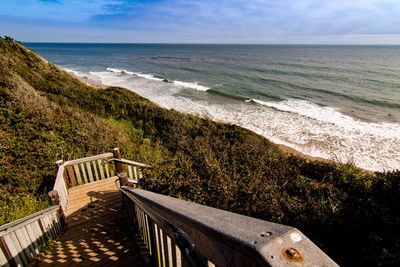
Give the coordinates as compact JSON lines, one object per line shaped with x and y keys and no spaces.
{"x":206,"y":21}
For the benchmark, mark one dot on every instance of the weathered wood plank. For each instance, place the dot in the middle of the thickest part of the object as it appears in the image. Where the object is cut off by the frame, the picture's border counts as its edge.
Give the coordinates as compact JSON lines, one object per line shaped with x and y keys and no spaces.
{"x":148,"y":236}
{"x":50,"y":225}
{"x":169,"y":252}
{"x":77,"y":174}
{"x":84,"y":173}
{"x":90,"y":173}
{"x":83,"y":160}
{"x":95,"y":170}
{"x":174,"y":255}
{"x":33,"y":237}
{"x":65,"y":177}
{"x":112,"y":169}
{"x":101,"y":170}
{"x":164,"y":247}
{"x":130,"y":175}
{"x":133,"y":163}
{"x":135,"y":172}
{"x":109,"y":182}
{"x":3,"y":259}
{"x":46,"y":227}
{"x":5,"y":254}
{"x":158,"y":245}
{"x":15,"y":249}
{"x":108,"y":173}
{"x":71,"y":175}
{"x":25,"y":243}
{"x":38,"y":231}
{"x":178,"y":256}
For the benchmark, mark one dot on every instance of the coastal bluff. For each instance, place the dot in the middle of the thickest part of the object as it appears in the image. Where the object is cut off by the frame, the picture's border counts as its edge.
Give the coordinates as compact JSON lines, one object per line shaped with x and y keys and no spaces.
{"x":47,"y":114}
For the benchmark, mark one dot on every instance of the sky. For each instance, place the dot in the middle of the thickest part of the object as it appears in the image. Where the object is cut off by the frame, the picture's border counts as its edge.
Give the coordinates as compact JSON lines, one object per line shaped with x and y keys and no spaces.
{"x":203,"y":21}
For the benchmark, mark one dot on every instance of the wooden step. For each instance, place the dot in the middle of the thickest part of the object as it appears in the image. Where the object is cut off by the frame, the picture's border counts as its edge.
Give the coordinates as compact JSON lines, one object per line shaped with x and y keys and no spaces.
{"x":89,"y":213}
{"x":92,"y":196}
{"x":75,"y":206}
{"x":92,"y":186}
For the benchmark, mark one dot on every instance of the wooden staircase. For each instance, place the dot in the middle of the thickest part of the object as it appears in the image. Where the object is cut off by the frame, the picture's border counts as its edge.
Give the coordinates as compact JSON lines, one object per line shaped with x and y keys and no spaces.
{"x":96,"y":230}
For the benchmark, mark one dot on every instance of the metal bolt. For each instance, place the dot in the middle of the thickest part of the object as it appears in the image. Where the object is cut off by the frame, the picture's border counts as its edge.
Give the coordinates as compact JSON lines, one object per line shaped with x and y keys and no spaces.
{"x":264,"y":234}
{"x":293,"y":253}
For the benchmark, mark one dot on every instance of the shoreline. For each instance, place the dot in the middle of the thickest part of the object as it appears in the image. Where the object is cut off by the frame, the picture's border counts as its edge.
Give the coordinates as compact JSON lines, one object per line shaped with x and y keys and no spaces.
{"x":290,"y":150}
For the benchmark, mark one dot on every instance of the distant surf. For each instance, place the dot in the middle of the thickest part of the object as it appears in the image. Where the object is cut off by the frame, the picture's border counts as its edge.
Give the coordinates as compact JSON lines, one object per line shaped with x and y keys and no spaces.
{"x":193,"y":85}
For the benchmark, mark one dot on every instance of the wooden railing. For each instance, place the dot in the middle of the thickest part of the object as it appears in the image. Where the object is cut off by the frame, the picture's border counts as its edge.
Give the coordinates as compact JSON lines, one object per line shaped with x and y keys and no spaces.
{"x":20,"y":241}
{"x":182,"y":233}
{"x":87,"y":170}
{"x":100,"y":167}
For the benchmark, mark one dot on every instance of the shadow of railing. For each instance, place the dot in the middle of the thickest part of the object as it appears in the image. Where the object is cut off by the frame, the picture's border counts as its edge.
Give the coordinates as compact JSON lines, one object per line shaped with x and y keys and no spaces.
{"x":97,"y":234}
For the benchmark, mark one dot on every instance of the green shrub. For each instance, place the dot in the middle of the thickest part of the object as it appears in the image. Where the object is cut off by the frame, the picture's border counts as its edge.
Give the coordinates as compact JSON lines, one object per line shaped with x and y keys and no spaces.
{"x":17,"y":207}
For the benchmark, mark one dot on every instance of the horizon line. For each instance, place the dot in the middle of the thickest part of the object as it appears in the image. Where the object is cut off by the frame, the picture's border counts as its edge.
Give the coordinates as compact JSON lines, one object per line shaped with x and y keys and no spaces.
{"x":190,"y":43}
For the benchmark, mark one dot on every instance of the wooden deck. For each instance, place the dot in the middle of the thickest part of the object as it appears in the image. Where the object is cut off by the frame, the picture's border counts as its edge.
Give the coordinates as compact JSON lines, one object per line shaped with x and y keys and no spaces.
{"x":97,"y":232}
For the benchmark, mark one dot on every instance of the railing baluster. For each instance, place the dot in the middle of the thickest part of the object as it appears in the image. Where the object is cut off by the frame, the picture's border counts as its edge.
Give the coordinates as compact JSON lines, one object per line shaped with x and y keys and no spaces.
{"x":84,"y":173}
{"x":33,"y":237}
{"x":89,"y":170}
{"x":77,"y":174}
{"x":170,"y":255}
{"x":158,"y":245}
{"x":15,"y":249}
{"x":95,"y":170}
{"x":153,"y":242}
{"x":101,"y":170}
{"x":108,"y":175}
{"x":135,"y":172}
{"x":162,"y":248}
{"x":165,"y":248}
{"x":24,"y":243}
{"x":178,"y":256}
{"x":130,"y":171}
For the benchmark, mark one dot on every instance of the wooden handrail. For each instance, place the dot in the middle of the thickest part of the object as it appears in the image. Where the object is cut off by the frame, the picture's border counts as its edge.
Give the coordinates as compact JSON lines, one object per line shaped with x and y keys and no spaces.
{"x":84,"y":160}
{"x":130,"y":162}
{"x":222,"y":238}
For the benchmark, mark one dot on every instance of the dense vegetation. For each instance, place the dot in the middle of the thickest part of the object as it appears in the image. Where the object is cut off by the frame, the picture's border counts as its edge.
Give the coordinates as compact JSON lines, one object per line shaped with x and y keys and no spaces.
{"x":46,"y":115}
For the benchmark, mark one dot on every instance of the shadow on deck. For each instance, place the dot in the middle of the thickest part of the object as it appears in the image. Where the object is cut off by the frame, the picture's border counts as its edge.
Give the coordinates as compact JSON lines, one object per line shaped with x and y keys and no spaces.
{"x":97,"y":231}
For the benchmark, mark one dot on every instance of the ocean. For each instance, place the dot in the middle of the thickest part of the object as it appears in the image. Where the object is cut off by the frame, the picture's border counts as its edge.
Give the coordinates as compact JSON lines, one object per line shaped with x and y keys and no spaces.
{"x":334,"y":102}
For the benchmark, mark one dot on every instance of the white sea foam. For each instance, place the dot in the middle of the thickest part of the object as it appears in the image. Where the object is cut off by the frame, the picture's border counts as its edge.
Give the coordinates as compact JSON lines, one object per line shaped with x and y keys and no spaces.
{"x":148,"y":76}
{"x":192,"y":85}
{"x":333,"y":116}
{"x":307,"y":127}
{"x":74,"y":72}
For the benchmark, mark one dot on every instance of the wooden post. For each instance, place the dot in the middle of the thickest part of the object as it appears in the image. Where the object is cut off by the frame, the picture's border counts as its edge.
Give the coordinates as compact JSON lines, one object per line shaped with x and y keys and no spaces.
{"x":55,"y":200}
{"x":59,"y":163}
{"x":119,"y":168}
{"x":123,"y":179}
{"x":54,"y":197}
{"x":6,"y":252}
